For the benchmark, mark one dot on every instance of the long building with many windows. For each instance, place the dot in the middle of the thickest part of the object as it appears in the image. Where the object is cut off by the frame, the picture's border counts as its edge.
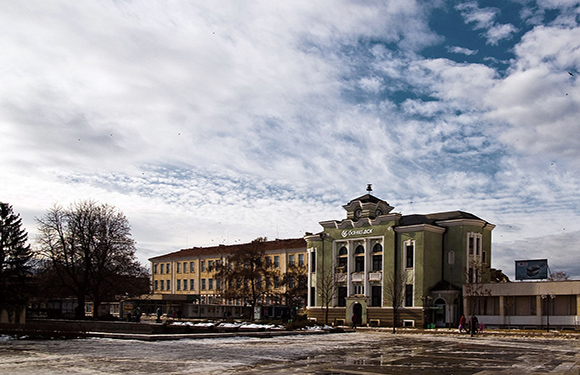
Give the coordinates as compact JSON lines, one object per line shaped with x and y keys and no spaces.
{"x":359,"y":263}
{"x":185,"y":281}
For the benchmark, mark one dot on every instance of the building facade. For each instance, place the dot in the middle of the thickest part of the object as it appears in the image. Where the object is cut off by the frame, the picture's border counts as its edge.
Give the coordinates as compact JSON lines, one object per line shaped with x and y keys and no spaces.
{"x":357,"y":264}
{"x":185,"y":281}
{"x":534,"y":305}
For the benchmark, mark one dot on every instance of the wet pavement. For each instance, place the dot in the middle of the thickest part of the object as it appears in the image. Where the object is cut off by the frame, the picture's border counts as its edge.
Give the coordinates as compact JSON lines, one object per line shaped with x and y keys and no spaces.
{"x":347,"y":353}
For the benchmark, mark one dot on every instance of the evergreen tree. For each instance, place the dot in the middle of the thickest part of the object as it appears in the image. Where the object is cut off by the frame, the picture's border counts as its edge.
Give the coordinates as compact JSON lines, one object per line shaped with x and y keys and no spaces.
{"x":15,"y":255}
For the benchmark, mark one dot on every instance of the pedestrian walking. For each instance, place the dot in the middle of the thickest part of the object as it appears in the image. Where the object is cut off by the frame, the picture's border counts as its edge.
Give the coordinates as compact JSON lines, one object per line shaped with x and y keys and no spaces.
{"x":462,"y":326}
{"x":159,"y":313}
{"x":473,"y":325}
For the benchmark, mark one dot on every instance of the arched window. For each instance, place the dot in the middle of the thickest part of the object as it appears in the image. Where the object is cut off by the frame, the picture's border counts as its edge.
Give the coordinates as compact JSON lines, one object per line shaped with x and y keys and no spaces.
{"x":359,"y":250}
{"x":378,"y":248}
{"x":342,"y":251}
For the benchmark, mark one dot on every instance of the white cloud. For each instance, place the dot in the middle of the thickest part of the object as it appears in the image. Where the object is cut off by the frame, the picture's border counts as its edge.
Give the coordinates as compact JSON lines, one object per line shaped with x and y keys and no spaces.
{"x":484,"y":18}
{"x":210,"y":123}
{"x":461,"y":50}
{"x":539,"y":99}
{"x":499,"y":32}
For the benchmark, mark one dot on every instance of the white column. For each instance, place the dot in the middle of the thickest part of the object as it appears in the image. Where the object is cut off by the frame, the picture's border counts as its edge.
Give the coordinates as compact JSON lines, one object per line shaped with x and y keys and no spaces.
{"x":310,"y":275}
{"x":349,"y":268}
{"x":368,"y":263}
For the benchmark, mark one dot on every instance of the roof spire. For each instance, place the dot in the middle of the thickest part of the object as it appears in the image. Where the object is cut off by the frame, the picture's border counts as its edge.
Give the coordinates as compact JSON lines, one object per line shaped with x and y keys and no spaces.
{"x":369,"y":188}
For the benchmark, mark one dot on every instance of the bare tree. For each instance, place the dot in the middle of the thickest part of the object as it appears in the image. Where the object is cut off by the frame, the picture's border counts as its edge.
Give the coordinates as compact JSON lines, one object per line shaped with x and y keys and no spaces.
{"x":89,"y":247}
{"x":247,"y":275}
{"x":395,"y":291}
{"x":508,"y":305}
{"x":326,"y":288}
{"x":558,"y":276}
{"x":474,"y":290}
{"x":295,"y":281}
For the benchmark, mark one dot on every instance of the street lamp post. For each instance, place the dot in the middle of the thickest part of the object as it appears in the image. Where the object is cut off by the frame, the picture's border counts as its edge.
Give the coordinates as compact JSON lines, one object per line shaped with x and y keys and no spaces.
{"x":548,"y":297}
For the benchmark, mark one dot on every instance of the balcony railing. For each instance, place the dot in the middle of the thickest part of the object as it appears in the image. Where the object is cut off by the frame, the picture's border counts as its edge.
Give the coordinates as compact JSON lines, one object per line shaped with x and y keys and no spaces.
{"x":375,"y":276}
{"x":358,"y":276}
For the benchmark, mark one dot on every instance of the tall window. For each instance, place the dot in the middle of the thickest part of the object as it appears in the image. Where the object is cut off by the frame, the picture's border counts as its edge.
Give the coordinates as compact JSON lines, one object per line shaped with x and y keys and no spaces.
{"x":202,"y":284}
{"x":378,"y":248}
{"x":471,"y":245}
{"x":291,"y":259}
{"x":312,"y":296}
{"x":359,"y":250}
{"x":301,"y":260}
{"x":184,"y":267}
{"x":376,"y":295}
{"x":377,"y":262}
{"x":313,"y":261}
{"x":168,"y":268}
{"x":359,"y":264}
{"x":409,"y":295}
{"x":192,"y":267}
{"x":156,"y":285}
{"x":210,"y":284}
{"x":409,"y":255}
{"x":168,"y":286}
{"x":161,"y":268}
{"x":202,"y":265}
{"x":276,"y":261}
{"x":342,"y":296}
{"x":184,"y":283}
{"x":155,"y":268}
{"x":191,"y":284}
{"x":178,"y":286}
{"x":343,"y":251}
{"x":178,"y":267}
{"x":162,"y":284}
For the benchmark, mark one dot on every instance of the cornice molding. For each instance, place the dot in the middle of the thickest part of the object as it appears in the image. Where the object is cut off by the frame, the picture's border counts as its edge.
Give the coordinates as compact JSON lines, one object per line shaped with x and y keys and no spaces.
{"x":419,"y":228}
{"x":348,"y":223}
{"x":472,"y":222}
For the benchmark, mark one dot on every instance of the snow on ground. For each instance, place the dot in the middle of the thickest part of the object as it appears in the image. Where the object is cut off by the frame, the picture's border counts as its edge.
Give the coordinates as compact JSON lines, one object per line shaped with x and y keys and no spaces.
{"x":370,"y":351}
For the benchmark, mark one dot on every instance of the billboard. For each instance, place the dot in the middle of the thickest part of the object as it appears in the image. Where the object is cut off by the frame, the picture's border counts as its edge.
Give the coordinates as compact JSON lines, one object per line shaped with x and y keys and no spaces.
{"x":536,"y":269}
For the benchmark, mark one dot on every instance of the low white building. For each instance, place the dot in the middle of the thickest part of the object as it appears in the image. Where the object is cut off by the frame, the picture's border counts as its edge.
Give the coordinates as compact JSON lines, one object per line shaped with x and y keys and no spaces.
{"x":539,"y":305}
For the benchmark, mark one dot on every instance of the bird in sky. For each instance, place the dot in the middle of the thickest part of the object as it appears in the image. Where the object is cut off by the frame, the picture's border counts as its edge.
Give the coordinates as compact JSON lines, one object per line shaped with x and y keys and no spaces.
{"x":571,"y":74}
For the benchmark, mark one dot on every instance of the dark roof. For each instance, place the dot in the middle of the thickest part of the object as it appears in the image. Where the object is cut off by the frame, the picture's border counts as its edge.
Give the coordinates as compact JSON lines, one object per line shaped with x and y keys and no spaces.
{"x":433,"y":218}
{"x":292,"y":243}
{"x":367,"y":198}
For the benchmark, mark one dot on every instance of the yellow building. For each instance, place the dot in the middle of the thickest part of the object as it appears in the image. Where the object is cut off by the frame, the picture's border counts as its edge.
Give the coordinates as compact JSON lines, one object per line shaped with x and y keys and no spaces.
{"x":184,"y":282}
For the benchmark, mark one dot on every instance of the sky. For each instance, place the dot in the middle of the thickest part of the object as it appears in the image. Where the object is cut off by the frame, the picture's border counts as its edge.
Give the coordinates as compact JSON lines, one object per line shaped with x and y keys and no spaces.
{"x":217,"y":122}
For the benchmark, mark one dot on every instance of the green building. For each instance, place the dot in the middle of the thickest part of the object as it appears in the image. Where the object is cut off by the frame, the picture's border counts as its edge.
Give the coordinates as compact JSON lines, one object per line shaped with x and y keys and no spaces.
{"x":362,"y":266}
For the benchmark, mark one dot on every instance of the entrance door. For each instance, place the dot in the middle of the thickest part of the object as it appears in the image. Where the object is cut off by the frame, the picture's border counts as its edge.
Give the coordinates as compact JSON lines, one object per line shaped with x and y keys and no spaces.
{"x":440,"y":310}
{"x":357,"y":313}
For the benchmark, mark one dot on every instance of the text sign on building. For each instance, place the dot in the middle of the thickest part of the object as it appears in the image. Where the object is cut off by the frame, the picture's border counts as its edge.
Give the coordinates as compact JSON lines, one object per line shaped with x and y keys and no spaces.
{"x":356,"y":232}
{"x":536,"y":269}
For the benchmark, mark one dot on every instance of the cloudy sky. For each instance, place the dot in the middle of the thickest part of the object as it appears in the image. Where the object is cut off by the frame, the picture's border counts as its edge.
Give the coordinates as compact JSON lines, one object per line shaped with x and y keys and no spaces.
{"x":211,"y":122}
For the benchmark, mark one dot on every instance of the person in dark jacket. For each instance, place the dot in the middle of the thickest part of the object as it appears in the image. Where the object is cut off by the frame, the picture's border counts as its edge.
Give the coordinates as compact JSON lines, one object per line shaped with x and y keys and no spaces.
{"x":473,"y":325}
